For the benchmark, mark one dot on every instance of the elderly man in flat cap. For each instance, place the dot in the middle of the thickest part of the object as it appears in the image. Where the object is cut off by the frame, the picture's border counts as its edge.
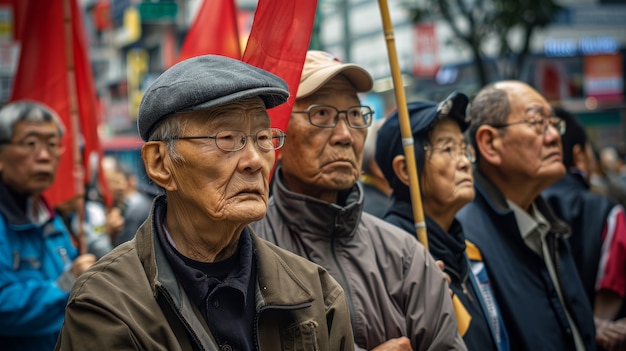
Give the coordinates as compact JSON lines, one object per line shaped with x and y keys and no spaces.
{"x":195,"y":277}
{"x":397,"y":294}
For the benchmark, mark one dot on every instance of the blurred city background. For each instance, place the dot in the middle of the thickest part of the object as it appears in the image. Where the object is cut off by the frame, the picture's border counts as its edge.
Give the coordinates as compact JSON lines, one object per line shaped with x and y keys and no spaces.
{"x":570,"y":50}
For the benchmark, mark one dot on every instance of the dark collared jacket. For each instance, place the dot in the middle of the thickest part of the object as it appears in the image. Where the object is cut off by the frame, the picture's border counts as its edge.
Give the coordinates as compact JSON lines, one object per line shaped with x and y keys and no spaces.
{"x":533,"y":314}
{"x":131,"y":300}
{"x":586,"y":213}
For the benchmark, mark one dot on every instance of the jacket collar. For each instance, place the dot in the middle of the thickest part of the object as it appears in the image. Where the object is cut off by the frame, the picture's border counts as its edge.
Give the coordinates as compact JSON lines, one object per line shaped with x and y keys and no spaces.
{"x":274,"y":275}
{"x":497,"y":202}
{"x":10,"y":206}
{"x":316,"y":216}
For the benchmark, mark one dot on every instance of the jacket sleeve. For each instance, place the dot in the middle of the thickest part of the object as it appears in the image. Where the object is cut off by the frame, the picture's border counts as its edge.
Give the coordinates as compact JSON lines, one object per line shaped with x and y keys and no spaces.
{"x":92,"y":327}
{"x":31,"y":300}
{"x":430,"y":315}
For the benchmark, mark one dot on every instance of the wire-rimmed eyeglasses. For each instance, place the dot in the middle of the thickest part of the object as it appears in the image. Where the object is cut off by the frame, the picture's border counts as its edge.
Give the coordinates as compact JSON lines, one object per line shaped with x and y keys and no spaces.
{"x":323,"y":116}
{"x":540,"y":124}
{"x":267,"y":139}
{"x":33,"y":145}
{"x":455,"y":151}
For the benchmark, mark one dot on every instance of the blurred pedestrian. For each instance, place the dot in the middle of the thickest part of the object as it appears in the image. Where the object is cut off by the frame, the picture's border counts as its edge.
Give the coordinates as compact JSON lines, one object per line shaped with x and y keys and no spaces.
{"x":523,"y":243}
{"x":96,"y":242}
{"x":376,"y":190}
{"x":195,"y":277}
{"x":598,"y":238}
{"x":131,"y":207}
{"x":444,"y":166}
{"x":397,"y":294}
{"x":38,"y":262}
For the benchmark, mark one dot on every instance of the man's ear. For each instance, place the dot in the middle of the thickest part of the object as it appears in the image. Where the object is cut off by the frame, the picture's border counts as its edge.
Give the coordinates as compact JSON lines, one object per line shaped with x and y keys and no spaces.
{"x":158,"y":164}
{"x":489,"y":144}
{"x":400,"y":169}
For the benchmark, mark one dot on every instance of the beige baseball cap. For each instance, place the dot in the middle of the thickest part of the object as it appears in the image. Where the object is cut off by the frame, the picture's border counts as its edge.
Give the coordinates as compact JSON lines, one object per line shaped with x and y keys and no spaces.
{"x":320,"y":67}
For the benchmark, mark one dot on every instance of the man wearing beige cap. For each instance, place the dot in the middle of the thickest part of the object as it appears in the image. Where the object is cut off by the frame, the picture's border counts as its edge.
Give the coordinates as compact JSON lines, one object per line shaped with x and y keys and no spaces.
{"x":397,"y":295}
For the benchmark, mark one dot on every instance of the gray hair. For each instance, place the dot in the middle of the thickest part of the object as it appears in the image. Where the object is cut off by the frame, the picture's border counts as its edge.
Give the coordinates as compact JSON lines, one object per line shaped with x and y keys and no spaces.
{"x":491,"y":106}
{"x":29,"y":111}
{"x":167,"y":131}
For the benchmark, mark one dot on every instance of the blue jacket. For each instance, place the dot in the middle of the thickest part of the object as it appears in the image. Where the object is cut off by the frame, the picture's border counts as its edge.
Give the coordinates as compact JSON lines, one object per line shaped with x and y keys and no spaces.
{"x":533,"y":314}
{"x":32,"y":259}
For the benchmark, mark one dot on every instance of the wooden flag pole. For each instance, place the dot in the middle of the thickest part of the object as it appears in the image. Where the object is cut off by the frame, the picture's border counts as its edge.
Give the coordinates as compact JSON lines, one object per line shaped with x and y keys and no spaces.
{"x":78,"y":171}
{"x":405,"y":125}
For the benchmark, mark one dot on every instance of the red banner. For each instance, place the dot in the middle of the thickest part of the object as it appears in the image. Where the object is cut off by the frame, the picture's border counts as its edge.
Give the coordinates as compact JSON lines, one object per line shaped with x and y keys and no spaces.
{"x":278,"y":42}
{"x":54,"y":69}
{"x":214,"y":31}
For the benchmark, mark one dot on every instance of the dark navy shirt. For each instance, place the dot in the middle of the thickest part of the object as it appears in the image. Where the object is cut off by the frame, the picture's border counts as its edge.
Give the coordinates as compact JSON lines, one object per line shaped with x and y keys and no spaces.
{"x":224,"y":292}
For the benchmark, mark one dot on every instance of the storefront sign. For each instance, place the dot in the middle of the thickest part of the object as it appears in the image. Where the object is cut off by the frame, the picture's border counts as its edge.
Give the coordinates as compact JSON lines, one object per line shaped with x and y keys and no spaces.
{"x":563,"y":47}
{"x":426,"y":58}
{"x":604,"y":77}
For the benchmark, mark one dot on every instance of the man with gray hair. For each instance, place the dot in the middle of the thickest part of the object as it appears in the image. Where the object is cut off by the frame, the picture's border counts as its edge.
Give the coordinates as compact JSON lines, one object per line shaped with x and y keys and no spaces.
{"x":195,"y":277}
{"x":523,"y":243}
{"x":38,"y":262}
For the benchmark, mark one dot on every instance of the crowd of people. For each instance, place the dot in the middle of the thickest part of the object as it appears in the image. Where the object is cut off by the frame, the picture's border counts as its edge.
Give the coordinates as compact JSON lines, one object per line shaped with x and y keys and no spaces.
{"x":316,"y":249}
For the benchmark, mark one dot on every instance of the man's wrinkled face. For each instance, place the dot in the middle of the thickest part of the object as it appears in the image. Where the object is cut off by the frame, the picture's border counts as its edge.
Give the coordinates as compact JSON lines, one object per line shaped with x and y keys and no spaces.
{"x":531,"y":152}
{"x":317,"y":161}
{"x":223,"y":185}
{"x":25,"y":171}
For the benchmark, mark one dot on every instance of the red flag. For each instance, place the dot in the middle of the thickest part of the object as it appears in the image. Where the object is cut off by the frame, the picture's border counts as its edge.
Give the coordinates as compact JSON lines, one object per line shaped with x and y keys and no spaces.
{"x":278,"y":42}
{"x":214,"y":31}
{"x":46,"y":73}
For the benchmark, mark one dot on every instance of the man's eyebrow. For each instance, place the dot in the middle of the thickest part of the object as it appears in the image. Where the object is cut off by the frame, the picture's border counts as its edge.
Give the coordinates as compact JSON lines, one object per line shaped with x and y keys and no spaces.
{"x":40,"y":134}
{"x":541,"y":109}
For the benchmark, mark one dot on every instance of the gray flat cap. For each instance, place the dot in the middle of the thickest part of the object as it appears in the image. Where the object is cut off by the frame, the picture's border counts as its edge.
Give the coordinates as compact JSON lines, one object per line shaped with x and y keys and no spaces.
{"x":205,"y":82}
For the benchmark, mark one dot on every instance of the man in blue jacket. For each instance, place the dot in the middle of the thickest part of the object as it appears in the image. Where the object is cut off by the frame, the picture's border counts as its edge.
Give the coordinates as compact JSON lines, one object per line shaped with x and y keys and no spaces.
{"x":38,"y":262}
{"x":518,"y":144}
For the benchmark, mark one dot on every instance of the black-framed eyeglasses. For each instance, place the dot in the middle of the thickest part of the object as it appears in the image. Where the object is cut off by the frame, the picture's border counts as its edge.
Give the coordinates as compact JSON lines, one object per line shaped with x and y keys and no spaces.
{"x":323,"y":116}
{"x":540,"y":124}
{"x":455,"y":151}
{"x":33,"y":145}
{"x":267,"y":139}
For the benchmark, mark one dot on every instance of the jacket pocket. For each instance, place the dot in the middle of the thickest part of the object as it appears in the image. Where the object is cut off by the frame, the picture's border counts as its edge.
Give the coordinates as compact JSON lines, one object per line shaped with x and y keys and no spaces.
{"x":300,"y":337}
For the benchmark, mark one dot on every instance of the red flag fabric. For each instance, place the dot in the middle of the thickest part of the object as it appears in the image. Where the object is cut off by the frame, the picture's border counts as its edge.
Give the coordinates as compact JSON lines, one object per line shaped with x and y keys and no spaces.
{"x":278,"y":42}
{"x":214,"y":31}
{"x":44,"y":74}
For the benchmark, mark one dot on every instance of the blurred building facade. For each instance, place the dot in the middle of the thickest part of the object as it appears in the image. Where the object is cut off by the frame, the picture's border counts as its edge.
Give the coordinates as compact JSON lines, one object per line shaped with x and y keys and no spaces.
{"x":578,"y":61}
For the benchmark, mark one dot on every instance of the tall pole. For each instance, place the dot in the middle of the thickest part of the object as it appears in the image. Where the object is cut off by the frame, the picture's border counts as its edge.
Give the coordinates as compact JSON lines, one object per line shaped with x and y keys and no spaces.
{"x":78,"y":171}
{"x":405,"y":125}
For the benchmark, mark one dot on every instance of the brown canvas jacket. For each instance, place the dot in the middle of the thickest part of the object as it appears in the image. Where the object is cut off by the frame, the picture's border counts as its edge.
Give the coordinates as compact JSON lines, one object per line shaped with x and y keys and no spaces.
{"x":121,"y":303}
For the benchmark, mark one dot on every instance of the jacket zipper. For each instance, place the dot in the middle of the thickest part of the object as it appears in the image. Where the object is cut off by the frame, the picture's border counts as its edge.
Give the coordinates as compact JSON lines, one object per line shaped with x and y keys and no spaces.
{"x":345,"y":284}
{"x":180,"y":317}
